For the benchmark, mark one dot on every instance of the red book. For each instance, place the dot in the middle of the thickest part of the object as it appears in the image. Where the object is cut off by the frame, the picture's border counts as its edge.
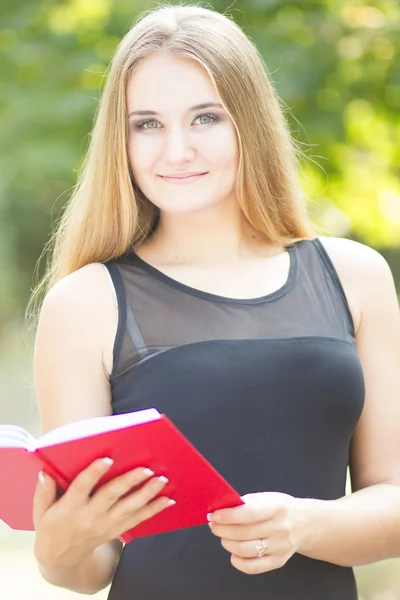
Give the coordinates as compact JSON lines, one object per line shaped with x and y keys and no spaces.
{"x":142,"y":438}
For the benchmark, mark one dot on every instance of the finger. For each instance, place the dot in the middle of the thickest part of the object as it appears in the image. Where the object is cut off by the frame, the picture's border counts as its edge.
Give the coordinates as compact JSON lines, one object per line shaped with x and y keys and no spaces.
{"x":257,"y":508}
{"x":149,"y":490}
{"x":132,"y":519}
{"x":241,"y":532}
{"x":81,"y":487}
{"x":255,"y":566}
{"x":45,"y":496}
{"x":248,"y":549}
{"x":111,"y":492}
{"x":138,"y":499}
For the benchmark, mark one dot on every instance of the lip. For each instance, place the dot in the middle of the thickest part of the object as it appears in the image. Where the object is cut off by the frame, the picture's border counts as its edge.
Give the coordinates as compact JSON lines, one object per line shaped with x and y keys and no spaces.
{"x":183,"y":179}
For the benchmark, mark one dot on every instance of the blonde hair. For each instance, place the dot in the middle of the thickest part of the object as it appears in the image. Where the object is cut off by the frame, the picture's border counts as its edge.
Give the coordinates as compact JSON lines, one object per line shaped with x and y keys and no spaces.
{"x":107,"y":213}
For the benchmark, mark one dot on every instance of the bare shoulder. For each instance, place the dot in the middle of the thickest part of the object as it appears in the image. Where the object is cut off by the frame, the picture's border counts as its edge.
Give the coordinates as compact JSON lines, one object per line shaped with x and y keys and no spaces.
{"x":361,"y":269}
{"x":86,"y":296}
{"x":82,"y":283}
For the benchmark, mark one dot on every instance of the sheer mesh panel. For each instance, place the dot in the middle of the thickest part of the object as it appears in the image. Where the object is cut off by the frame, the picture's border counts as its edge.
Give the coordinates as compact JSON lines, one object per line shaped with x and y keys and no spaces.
{"x":163,"y":313}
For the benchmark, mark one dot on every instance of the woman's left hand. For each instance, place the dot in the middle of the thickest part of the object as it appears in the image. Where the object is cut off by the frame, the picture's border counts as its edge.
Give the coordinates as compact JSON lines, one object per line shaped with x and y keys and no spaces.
{"x":265,"y":532}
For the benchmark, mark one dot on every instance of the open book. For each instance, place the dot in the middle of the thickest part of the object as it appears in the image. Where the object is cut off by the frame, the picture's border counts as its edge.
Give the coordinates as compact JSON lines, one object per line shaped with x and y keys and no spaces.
{"x":142,"y":438}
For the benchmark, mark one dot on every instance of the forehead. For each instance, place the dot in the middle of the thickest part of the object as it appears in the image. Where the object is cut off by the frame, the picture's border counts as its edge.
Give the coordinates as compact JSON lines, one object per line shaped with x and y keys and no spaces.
{"x":166,"y":83}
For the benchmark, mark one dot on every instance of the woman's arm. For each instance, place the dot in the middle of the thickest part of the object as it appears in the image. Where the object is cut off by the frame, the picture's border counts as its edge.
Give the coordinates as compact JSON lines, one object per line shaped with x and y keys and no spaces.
{"x":364,"y":526}
{"x":71,"y":384}
{"x":358,"y":529}
{"x":91,"y":575}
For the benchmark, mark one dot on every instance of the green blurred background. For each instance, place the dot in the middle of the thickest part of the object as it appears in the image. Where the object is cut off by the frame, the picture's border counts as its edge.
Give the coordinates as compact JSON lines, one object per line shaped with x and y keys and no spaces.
{"x":335,"y":64}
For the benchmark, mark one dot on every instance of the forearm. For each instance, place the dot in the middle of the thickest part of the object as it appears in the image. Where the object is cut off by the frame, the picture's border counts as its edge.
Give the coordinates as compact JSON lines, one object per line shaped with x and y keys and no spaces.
{"x":360,"y":528}
{"x":90,"y":575}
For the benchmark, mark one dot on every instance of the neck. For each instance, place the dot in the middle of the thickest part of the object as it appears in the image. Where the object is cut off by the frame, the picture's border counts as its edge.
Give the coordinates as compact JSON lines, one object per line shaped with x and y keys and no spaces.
{"x":215,"y":236}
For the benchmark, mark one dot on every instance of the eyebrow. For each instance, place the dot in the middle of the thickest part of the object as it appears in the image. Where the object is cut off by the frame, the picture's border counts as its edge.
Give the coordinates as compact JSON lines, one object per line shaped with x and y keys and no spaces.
{"x":197,"y":107}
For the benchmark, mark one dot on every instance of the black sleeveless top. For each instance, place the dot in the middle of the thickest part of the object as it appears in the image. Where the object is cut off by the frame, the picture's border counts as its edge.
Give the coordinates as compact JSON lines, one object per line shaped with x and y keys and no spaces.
{"x":268,"y":389}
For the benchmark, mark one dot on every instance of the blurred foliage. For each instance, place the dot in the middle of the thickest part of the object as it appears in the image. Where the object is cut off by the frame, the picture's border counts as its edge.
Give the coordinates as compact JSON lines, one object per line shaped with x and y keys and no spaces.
{"x":333,"y":62}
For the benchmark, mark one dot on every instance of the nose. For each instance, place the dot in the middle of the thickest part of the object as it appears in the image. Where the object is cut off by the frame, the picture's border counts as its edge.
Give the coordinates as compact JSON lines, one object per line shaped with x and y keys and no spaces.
{"x":179,"y":146}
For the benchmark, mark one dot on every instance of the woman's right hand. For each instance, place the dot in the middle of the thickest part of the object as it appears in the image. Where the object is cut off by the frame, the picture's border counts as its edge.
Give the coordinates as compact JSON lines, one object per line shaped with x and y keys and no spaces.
{"x":68,"y":529}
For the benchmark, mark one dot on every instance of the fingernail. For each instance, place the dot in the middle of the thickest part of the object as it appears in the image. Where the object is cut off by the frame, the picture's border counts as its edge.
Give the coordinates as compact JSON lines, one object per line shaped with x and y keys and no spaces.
{"x":107,"y":461}
{"x":42,"y":479}
{"x":163,"y":479}
{"x":148,"y":472}
{"x":213,"y":517}
{"x":171,"y":502}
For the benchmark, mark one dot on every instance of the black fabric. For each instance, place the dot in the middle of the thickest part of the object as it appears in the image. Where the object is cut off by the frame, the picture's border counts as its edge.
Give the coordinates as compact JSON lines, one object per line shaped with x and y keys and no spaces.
{"x":268,"y":389}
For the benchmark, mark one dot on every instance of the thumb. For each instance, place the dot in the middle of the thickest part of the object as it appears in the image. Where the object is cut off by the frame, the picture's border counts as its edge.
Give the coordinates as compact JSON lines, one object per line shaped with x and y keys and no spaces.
{"x":45,"y":495}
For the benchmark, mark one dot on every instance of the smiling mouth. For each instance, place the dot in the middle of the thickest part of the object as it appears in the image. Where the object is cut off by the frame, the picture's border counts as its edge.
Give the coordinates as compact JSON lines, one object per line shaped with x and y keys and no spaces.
{"x":183,"y":175}
{"x":187,"y":178}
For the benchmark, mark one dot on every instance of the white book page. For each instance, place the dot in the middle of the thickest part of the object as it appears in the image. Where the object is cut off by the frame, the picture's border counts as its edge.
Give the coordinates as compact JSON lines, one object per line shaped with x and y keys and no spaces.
{"x":86,"y":427}
{"x":14,"y":436}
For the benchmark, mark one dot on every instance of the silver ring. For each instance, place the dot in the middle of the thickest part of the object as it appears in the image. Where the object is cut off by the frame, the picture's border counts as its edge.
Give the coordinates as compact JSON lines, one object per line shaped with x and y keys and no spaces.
{"x":262,"y":549}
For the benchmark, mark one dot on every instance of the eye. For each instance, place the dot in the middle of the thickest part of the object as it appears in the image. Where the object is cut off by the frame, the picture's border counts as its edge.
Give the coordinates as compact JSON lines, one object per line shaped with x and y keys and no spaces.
{"x":211,"y":116}
{"x":144,"y":124}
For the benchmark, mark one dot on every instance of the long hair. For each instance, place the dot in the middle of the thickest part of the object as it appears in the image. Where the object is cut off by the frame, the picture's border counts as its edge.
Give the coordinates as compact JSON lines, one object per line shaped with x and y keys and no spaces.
{"x":107,"y":213}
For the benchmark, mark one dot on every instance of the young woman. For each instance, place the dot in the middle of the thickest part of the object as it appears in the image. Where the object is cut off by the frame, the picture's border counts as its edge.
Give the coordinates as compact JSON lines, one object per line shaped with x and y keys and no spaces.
{"x":186,"y":276}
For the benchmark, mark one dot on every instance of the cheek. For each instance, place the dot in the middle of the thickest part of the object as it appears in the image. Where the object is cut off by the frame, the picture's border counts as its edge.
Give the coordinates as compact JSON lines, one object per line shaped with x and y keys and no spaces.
{"x":142,"y":154}
{"x":220,"y":147}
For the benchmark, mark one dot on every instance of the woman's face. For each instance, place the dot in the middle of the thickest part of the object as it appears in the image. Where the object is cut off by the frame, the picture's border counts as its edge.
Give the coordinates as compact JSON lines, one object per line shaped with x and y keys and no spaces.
{"x":177,"y":139}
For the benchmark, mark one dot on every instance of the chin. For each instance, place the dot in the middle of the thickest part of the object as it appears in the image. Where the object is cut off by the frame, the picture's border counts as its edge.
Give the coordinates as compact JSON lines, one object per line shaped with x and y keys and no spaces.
{"x":183,"y":209}
{"x":187,"y":206}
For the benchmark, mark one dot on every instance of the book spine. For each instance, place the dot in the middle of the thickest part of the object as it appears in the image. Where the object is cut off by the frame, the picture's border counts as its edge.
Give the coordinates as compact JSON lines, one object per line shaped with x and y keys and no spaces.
{"x":49,"y":468}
